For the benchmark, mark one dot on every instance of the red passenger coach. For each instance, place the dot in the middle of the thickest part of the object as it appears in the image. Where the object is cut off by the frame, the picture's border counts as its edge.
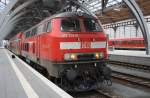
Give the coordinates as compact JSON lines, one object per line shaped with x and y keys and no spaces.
{"x":15,"y":43}
{"x":127,"y":43}
{"x":71,"y":47}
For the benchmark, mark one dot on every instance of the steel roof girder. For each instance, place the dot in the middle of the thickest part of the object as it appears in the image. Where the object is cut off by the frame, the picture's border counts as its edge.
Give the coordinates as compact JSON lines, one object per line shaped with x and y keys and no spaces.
{"x":12,"y":20}
{"x":19,"y":8}
{"x":9,"y":28}
{"x":14,"y":13}
{"x":7,"y":10}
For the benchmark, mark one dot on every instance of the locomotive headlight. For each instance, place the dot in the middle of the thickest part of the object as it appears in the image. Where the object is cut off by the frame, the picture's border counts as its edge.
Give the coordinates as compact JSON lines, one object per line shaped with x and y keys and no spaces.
{"x":73,"y":56}
{"x":69,"y":56}
{"x":97,"y":55}
{"x":101,"y":55}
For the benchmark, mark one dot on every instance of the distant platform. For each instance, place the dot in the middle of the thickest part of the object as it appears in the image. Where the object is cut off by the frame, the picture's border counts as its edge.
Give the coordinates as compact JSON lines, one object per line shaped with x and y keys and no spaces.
{"x":130,"y":56}
{"x":1,"y":47}
{"x":129,"y":53}
{"x":19,"y":80}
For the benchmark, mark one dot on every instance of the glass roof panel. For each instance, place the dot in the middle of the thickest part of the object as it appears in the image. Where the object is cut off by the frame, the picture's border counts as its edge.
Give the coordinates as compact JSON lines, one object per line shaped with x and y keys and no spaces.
{"x":3,"y":4}
{"x":95,"y":5}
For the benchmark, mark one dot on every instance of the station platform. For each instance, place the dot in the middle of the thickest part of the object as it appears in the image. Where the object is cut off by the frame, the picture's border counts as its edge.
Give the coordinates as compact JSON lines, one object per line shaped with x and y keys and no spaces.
{"x":128,"y":56}
{"x":19,"y":80}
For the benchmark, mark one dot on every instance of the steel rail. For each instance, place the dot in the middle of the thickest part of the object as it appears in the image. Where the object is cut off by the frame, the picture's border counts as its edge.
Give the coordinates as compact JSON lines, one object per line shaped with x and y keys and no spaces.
{"x":141,"y":81}
{"x":131,"y":65}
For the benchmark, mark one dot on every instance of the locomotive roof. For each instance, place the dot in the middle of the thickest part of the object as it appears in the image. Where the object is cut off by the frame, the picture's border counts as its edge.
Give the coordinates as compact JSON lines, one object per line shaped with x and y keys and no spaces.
{"x":72,"y":14}
{"x":64,"y":14}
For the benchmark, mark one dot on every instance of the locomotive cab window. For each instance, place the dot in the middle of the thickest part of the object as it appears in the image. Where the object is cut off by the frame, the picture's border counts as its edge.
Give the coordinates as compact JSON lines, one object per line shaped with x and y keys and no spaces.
{"x":92,"y":25}
{"x":70,"y":25}
{"x":49,"y":27}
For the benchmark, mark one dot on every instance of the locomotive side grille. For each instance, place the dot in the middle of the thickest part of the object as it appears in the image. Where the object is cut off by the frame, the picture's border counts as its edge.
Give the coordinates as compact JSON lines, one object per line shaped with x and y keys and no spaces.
{"x":85,"y":56}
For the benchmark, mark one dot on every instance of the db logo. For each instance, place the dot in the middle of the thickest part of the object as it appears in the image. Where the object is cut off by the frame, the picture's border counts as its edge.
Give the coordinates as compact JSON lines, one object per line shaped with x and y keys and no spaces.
{"x":85,"y":44}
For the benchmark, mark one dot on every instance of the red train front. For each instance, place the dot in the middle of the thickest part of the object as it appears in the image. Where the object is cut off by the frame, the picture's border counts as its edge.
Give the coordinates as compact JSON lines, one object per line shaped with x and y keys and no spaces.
{"x":71,"y":47}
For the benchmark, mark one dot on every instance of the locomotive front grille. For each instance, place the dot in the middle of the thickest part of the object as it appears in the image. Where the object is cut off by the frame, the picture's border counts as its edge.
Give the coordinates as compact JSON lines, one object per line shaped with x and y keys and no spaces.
{"x":85,"y":56}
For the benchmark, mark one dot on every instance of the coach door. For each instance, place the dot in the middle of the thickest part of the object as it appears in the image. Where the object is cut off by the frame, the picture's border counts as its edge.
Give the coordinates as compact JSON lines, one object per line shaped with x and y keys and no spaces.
{"x":38,"y":48}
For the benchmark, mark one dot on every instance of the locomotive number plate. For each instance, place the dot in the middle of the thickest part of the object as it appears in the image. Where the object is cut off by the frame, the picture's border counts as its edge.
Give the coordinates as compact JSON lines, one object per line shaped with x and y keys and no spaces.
{"x":85,"y":44}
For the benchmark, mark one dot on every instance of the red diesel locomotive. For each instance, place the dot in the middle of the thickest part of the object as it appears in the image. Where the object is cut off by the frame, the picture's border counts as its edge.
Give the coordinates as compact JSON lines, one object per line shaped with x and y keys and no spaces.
{"x":127,"y":43}
{"x":70,"y":47}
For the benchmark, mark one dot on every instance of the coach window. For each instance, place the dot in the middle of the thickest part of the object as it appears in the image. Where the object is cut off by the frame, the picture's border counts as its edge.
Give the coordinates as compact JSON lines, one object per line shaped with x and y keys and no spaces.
{"x":135,"y":41}
{"x":142,"y":41}
{"x":124,"y":42}
{"x":27,"y":34}
{"x":70,"y":25}
{"x":33,"y":48}
{"x":48,"y":29}
{"x":129,"y":42}
{"x":24,"y":46}
{"x":34,"y":31}
{"x":120,"y":42}
{"x":139,"y":42}
{"x":116,"y":42}
{"x":27,"y":46}
{"x":113,"y":42}
{"x":40,"y":29}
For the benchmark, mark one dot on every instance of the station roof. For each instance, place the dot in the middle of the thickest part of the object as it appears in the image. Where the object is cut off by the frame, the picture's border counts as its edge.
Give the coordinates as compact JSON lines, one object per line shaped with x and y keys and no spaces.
{"x":3,"y":4}
{"x":115,"y":10}
{"x":120,"y":11}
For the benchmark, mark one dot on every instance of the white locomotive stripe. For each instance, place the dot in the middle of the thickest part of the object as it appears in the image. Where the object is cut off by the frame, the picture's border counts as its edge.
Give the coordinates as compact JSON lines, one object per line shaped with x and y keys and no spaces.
{"x":70,"y":45}
{"x":26,"y":86}
{"x":98,"y":44}
{"x":77,"y":45}
{"x":58,"y":91}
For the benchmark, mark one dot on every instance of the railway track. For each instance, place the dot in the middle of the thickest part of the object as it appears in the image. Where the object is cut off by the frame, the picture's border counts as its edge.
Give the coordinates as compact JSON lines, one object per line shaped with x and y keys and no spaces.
{"x":97,"y":94}
{"x":129,"y":65}
{"x":133,"y":79}
{"x":108,"y":94}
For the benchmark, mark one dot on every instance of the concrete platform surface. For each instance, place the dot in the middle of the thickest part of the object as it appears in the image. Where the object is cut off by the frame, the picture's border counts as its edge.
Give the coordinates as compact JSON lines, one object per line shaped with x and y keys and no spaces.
{"x":134,"y":57}
{"x":18,"y":80}
{"x":129,"y":53}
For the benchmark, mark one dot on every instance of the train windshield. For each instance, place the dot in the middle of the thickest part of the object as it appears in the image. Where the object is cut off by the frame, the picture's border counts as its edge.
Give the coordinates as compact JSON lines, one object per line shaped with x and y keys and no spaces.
{"x":91,"y":25}
{"x":70,"y":25}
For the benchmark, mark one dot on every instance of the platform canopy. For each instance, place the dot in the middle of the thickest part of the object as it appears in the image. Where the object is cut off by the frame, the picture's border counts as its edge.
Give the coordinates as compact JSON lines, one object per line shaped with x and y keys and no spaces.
{"x":116,"y":10}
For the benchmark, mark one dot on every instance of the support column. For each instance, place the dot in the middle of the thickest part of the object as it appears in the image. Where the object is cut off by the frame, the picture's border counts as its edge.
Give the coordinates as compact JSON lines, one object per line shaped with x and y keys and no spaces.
{"x":142,"y":23}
